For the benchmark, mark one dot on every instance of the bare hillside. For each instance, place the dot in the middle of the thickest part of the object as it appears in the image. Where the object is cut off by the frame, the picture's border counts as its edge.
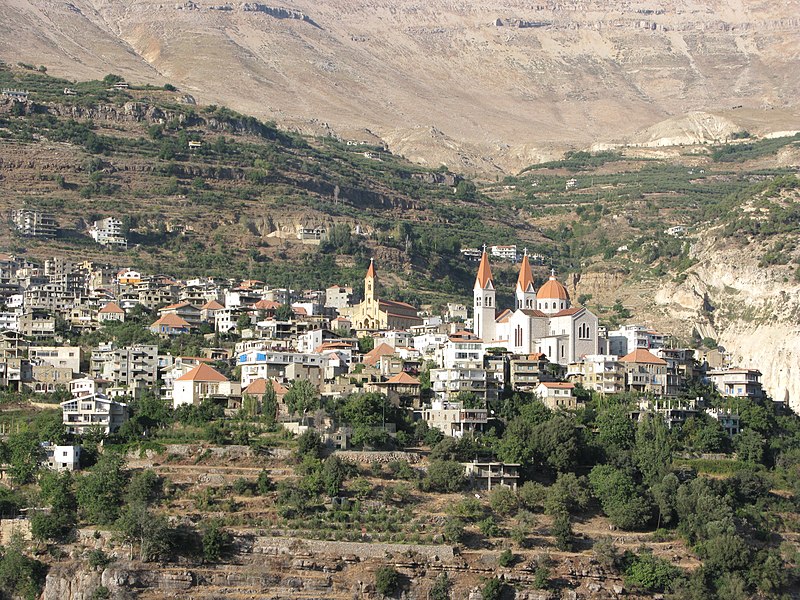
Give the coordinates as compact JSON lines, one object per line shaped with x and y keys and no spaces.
{"x":477,"y":86}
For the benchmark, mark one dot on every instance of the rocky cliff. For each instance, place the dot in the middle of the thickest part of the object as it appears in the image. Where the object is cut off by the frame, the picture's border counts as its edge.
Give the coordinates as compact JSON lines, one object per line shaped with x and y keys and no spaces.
{"x":478,"y":86}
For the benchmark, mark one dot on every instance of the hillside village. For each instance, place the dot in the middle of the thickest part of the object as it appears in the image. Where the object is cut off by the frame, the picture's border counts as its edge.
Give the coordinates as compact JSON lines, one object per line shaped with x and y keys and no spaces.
{"x":450,"y":370}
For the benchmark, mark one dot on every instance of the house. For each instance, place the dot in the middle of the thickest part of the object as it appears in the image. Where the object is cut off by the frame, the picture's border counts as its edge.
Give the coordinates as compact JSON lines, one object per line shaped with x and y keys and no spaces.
{"x":600,"y":373}
{"x":203,"y":383}
{"x":258,"y":390}
{"x":525,"y":373}
{"x":557,"y":395}
{"x":37,"y":324}
{"x":741,"y":383}
{"x":401,"y":389}
{"x":81,"y":415}
{"x":487,"y":475}
{"x":170,"y":324}
{"x":452,"y":419}
{"x":645,"y":372}
{"x":61,"y":458}
{"x":728,"y":419}
{"x":68,"y":357}
{"x":209,"y":310}
{"x":338,"y":296}
{"x":131,"y":369}
{"x":628,"y":338}
{"x":189,"y":313}
{"x":111,"y":312}
{"x":129,"y":277}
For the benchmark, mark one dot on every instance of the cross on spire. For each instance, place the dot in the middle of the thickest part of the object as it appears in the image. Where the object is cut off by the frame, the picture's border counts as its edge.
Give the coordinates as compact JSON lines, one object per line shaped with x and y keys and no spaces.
{"x":552,"y":272}
{"x":484,"y":247}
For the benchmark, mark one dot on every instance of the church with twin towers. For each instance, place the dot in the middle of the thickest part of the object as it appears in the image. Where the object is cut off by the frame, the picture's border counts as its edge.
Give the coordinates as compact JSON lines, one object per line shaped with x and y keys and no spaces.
{"x":542,"y":321}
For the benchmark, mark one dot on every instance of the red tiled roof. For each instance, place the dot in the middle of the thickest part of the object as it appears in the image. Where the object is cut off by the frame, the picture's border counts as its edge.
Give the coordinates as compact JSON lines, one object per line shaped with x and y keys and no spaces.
{"x":403,"y":379}
{"x":553,"y":289}
{"x":111,"y":308}
{"x":568,"y":312}
{"x":265,"y":304}
{"x":373,"y":356}
{"x":175,"y":306}
{"x":259,"y":387}
{"x":212,"y":305}
{"x":171,"y":320}
{"x":554,"y":385}
{"x":642,"y":356}
{"x":203,"y":372}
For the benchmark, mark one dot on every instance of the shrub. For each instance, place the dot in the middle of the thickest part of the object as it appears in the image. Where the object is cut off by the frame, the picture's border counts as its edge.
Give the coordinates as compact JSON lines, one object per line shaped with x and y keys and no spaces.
{"x":98,"y":558}
{"x":507,"y":558}
{"x":650,"y":573}
{"x":387,"y":581}
{"x":493,"y":589}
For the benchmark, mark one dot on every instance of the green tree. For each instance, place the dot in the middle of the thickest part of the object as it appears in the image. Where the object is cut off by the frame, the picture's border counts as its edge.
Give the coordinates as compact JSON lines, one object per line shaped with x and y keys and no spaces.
{"x":284,"y":313}
{"x":440,"y":590}
{"x":100,"y":491}
{"x":493,"y":589}
{"x":216,"y":542}
{"x":387,"y":580}
{"x":20,"y":575}
{"x":623,"y":502}
{"x":562,"y":531}
{"x":650,"y":573}
{"x":652,"y":452}
{"x":309,"y":444}
{"x":138,"y":524}
{"x":243,"y":322}
{"x":57,"y":492}
{"x":454,"y":530}
{"x":302,"y":397}
{"x":568,"y":494}
{"x":445,"y":476}
{"x":749,"y":446}
{"x":25,"y":455}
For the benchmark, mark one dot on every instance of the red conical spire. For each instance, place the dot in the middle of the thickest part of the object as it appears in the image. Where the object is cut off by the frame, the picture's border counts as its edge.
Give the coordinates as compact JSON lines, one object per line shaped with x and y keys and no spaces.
{"x":484,"y":271}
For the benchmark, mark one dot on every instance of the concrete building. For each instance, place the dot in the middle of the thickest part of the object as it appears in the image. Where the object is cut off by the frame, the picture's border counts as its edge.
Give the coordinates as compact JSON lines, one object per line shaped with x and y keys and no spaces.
{"x":487,"y":475}
{"x":601,"y":373}
{"x":453,"y":420}
{"x":742,"y":383}
{"x":62,"y":458}
{"x":203,"y":383}
{"x":557,"y":395}
{"x":34,"y":223}
{"x":628,"y":338}
{"x":338,"y":296}
{"x":57,"y":356}
{"x":81,"y":415}
{"x":645,"y":372}
{"x":108,"y":232}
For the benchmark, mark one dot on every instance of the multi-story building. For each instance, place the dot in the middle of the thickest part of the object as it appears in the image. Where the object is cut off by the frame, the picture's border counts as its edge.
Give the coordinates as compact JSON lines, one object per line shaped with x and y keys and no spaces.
{"x":452,"y":419}
{"x":108,"y":232}
{"x":743,"y":383}
{"x":131,"y":370}
{"x":645,"y":372}
{"x":37,"y":324}
{"x":601,"y":373}
{"x":338,"y":296}
{"x":628,"y":338}
{"x":488,"y":475}
{"x":728,"y":419}
{"x":58,"y":356}
{"x":525,"y":373}
{"x":84,"y":414}
{"x":61,"y":458}
{"x":203,"y":383}
{"x":557,"y":395}
{"x":34,"y":223}
{"x":447,"y":384}
{"x":272,"y":364}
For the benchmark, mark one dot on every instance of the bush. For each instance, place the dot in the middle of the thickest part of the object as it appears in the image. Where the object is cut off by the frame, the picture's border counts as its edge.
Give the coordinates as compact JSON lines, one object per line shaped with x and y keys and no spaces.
{"x":503,"y":500}
{"x":454,"y":531}
{"x":562,"y":532}
{"x":387,"y":581}
{"x":650,"y":573}
{"x":445,"y":476}
{"x":493,"y":589}
{"x":98,"y":558}
{"x":507,"y":558}
{"x":440,"y":590}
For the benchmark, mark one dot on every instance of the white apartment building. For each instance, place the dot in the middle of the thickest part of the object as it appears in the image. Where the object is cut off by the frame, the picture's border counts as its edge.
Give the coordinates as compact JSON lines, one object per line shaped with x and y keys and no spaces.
{"x":108,"y":232}
{"x":628,"y":338}
{"x":57,"y":356}
{"x":80,"y":415}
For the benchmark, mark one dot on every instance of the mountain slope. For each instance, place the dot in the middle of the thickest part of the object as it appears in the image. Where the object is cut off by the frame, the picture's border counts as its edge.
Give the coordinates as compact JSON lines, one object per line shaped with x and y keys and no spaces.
{"x":477,"y":86}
